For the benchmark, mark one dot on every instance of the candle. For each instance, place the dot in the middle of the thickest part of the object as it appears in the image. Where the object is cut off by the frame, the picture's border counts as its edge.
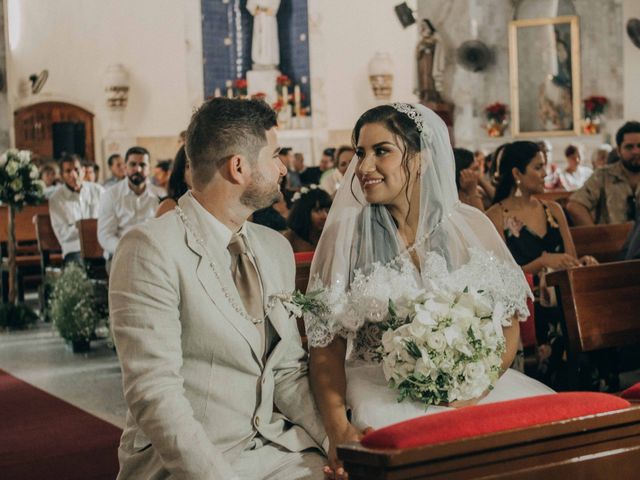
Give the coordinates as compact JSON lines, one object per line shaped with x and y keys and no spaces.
{"x":229,"y":92}
{"x":217,"y":93}
{"x":285,"y":95}
{"x":296,"y":99}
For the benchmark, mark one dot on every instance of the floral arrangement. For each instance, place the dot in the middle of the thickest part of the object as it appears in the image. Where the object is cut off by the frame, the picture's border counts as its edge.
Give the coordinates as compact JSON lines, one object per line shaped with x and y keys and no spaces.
{"x":594,"y":105}
{"x":283,"y":81}
{"x":19,"y":183}
{"x":496,"y":112}
{"x":303,"y":191}
{"x":241,"y":87}
{"x":444,"y":347}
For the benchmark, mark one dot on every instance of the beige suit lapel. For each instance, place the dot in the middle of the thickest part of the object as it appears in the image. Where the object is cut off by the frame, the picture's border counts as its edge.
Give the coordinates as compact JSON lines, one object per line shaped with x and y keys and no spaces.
{"x":214,"y":286}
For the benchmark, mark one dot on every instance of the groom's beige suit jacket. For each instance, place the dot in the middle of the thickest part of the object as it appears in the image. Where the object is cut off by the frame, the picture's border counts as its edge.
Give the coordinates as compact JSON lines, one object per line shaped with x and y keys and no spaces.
{"x":196,"y":386}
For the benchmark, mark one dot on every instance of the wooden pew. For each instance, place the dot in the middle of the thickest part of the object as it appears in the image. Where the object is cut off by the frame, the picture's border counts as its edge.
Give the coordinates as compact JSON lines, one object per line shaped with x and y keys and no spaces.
{"x":50,"y":254}
{"x":28,"y":259}
{"x":604,"y":242}
{"x":601,"y":306}
{"x":595,"y":447}
{"x":90,"y":250}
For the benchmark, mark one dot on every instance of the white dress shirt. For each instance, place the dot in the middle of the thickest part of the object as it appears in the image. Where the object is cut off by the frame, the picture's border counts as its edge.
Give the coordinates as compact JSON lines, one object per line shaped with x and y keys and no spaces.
{"x":330,"y":181}
{"x":121,"y":209}
{"x":573,"y":181}
{"x":66,"y":207}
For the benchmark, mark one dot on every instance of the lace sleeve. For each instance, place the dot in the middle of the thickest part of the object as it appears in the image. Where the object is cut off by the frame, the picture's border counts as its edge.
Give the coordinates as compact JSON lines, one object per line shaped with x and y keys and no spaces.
{"x":503,"y":282}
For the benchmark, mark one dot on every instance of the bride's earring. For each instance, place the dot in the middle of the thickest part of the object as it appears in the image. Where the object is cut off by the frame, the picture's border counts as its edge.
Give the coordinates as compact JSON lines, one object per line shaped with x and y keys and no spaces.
{"x":518,"y":192}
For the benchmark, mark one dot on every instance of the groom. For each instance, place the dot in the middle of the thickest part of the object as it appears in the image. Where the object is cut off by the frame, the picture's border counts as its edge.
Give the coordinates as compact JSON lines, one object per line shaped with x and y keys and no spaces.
{"x":206,"y":350}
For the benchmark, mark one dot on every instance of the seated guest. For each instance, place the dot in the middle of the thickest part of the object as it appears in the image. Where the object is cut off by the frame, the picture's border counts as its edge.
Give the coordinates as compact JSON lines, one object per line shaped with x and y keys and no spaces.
{"x":601,"y":155}
{"x":161,"y":173}
{"x":91,"y":171}
{"x":331,"y":180}
{"x":179,"y":182}
{"x":127,"y":203}
{"x":74,"y":200}
{"x":536,"y":233}
{"x":312,"y":175}
{"x":467,"y":177}
{"x":50,"y":175}
{"x":552,"y":178}
{"x":612,"y":193}
{"x":306,"y":219}
{"x":575,"y":174}
{"x":116,"y":167}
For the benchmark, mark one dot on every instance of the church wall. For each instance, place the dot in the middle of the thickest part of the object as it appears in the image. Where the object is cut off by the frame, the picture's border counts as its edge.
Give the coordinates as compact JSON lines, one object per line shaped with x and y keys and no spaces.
{"x":157,"y":41}
{"x":601,"y":43}
{"x":344,"y":36}
{"x":631,"y":9}
{"x":5,"y":114}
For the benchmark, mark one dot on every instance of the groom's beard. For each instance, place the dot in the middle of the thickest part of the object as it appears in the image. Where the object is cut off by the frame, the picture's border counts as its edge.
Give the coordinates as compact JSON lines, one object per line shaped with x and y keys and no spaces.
{"x":260,"y":194}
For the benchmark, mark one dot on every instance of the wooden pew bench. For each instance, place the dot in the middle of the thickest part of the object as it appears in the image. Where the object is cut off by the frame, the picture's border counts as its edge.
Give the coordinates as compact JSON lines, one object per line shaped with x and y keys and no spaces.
{"x":604,"y":242}
{"x":600,"y":446}
{"x":601,"y":306}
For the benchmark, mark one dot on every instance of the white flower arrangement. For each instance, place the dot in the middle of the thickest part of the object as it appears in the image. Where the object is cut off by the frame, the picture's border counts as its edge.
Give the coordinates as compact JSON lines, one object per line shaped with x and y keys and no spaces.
{"x":447,"y":349}
{"x":19,"y":184}
{"x":303,"y":191}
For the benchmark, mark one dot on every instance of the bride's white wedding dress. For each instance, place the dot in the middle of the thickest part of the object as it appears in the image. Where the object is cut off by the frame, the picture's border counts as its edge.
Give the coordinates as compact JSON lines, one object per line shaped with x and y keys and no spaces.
{"x":371,"y":401}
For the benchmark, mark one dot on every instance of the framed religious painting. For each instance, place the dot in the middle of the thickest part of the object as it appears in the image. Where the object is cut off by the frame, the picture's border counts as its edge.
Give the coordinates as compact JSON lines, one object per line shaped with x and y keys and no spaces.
{"x":544,"y":65}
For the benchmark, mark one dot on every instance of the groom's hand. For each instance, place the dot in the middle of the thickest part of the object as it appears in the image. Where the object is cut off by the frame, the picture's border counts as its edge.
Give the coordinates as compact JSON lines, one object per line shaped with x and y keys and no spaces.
{"x":335,"y":470}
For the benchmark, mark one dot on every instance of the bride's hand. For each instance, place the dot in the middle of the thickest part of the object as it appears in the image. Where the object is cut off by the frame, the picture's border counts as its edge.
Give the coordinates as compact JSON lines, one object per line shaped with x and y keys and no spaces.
{"x":467,"y":403}
{"x":335,"y":470}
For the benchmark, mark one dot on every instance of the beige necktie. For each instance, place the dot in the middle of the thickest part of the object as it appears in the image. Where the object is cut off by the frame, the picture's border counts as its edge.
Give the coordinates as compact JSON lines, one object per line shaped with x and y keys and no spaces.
{"x":245,"y":276}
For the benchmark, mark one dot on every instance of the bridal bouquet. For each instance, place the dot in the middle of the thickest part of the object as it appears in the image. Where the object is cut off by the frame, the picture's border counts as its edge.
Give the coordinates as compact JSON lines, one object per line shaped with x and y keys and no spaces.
{"x":441,"y":347}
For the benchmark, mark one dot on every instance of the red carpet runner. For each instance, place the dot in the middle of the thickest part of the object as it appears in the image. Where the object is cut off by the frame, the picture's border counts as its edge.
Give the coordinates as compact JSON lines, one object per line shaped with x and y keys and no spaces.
{"x":45,"y":438}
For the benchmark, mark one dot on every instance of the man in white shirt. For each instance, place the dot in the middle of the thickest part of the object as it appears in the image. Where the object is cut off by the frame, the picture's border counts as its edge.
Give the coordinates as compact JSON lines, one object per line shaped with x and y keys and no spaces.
{"x":74,"y":200}
{"x":116,"y":167}
{"x":127,"y":203}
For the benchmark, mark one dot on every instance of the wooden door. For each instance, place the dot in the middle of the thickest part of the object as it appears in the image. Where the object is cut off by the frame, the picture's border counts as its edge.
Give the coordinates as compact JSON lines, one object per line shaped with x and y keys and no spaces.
{"x":34,"y":131}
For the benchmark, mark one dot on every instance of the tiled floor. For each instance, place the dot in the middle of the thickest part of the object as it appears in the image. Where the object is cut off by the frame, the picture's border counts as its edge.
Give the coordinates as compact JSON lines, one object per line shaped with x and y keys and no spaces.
{"x":90,"y":381}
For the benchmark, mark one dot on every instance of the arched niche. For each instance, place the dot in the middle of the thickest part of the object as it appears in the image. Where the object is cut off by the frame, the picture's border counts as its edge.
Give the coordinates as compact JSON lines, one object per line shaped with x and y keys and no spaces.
{"x":34,"y":127}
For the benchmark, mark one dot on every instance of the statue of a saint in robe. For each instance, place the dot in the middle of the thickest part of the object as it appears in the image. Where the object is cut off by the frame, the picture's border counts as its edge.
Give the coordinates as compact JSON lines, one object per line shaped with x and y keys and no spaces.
{"x":265,"y":48}
{"x":430,"y":59}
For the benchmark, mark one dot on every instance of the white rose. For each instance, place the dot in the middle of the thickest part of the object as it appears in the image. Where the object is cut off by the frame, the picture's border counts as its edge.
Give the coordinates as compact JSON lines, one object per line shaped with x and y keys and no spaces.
{"x":12,"y":167}
{"x":423,"y":315}
{"x":417,"y":330}
{"x":18,"y":197}
{"x":474,"y":371}
{"x":453,"y":334}
{"x":39,"y":185}
{"x":437,"y":341}
{"x":3,"y":159}
{"x":16,"y":185}
{"x":24,"y":156}
{"x":33,"y":173}
{"x":425,"y":368}
{"x":460,"y":313}
{"x":437,"y":307}
{"x":482,"y":305}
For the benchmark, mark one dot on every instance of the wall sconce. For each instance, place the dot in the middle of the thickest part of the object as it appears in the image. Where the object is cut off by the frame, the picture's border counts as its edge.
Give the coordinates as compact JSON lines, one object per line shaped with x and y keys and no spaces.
{"x":381,"y":75}
{"x":116,"y":88}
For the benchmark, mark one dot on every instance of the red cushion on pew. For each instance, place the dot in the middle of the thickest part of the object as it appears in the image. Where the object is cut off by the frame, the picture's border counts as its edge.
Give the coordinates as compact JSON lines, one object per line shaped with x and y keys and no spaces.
{"x":302,"y":257}
{"x":491,"y":418}
{"x":632,"y":393}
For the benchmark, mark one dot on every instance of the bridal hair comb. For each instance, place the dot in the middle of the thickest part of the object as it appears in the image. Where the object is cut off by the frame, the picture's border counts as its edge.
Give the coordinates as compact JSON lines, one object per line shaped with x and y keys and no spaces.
{"x":410,"y":112}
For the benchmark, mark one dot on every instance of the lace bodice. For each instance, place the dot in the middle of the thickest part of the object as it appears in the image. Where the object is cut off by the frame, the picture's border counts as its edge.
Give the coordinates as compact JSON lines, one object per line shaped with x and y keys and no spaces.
{"x":356,"y":313}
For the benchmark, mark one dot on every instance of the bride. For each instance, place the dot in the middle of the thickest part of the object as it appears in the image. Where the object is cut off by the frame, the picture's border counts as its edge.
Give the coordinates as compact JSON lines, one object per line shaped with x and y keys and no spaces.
{"x":396,"y":227}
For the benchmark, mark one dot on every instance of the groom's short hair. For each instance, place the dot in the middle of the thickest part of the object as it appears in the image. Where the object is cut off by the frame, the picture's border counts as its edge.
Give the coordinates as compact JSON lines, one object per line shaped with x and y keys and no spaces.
{"x":223,"y":127}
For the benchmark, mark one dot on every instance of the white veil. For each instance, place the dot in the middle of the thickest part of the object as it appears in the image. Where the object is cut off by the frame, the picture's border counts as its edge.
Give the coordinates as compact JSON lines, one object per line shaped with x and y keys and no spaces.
{"x":361,"y":263}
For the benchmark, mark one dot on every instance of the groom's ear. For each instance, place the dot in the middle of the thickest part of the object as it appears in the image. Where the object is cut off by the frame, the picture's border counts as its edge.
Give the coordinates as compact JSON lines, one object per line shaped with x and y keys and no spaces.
{"x":237,"y":169}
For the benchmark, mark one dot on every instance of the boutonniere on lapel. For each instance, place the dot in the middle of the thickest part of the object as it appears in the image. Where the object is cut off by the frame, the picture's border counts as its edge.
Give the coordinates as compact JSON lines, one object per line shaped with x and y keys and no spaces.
{"x":298,"y":303}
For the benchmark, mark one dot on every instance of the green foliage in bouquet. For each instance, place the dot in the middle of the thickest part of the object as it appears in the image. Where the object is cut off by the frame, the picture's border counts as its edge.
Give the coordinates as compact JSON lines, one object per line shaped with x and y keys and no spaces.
{"x":16,"y":317}
{"x":72,"y":305}
{"x":19,"y":183}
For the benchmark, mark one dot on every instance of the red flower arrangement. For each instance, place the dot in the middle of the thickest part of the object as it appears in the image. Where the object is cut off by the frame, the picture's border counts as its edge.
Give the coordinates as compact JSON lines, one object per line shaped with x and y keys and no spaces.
{"x":241,"y":86}
{"x":496,"y":111}
{"x":594,"y":105}
{"x":277,"y":106}
{"x":283,"y":81}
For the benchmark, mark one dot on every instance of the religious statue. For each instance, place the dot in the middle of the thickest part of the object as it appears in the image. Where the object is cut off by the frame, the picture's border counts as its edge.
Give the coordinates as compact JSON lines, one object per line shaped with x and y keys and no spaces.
{"x":265,"y":49}
{"x":430,"y":59}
